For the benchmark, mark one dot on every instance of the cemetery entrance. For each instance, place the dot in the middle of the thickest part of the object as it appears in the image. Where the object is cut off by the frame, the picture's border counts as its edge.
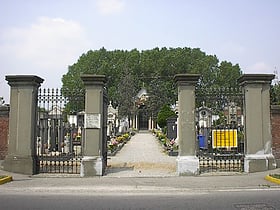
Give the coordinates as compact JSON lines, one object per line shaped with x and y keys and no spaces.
{"x":143,"y":118}
{"x":220,"y":129}
{"x":52,"y":142}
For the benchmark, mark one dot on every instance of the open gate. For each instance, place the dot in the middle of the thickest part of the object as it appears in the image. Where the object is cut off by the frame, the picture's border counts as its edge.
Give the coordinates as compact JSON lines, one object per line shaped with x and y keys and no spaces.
{"x":60,"y":131}
{"x":220,"y":129}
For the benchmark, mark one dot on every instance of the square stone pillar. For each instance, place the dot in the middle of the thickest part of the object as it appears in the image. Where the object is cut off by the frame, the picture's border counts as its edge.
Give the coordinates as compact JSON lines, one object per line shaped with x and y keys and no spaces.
{"x":258,"y":139}
{"x":187,"y":162}
{"x":21,"y":156}
{"x":93,"y":162}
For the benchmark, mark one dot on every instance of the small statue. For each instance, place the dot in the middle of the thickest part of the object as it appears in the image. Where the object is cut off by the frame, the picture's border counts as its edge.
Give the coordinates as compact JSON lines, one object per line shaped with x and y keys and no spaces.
{"x":2,"y":101}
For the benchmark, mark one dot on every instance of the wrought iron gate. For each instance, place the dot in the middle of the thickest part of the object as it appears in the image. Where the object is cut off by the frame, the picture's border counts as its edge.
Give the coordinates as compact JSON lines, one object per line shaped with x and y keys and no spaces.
{"x":60,"y":131}
{"x":220,"y":129}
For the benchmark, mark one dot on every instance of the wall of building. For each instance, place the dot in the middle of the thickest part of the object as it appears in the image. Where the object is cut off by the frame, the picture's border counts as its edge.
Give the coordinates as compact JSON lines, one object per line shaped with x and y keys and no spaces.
{"x":275,"y":130}
{"x":4,"y":130}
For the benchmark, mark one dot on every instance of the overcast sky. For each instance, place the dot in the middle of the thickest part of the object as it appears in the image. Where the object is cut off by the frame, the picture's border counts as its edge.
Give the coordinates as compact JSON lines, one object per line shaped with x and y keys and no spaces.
{"x":44,"y":37}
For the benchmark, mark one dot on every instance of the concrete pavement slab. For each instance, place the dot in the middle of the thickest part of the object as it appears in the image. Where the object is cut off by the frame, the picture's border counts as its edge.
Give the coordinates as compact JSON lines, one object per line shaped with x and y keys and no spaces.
{"x":74,"y":184}
{"x":142,"y":156}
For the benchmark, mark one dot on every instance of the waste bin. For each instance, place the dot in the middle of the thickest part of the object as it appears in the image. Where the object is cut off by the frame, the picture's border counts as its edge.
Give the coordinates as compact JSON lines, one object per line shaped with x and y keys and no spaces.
{"x":202,"y":142}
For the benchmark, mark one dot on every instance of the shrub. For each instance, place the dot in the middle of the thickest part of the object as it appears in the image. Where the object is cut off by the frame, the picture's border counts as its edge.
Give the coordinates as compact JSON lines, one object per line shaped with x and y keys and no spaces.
{"x":164,"y":113}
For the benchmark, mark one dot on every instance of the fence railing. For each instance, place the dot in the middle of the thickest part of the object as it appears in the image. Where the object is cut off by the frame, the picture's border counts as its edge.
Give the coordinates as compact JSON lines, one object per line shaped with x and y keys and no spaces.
{"x":60,"y":131}
{"x":220,"y":129}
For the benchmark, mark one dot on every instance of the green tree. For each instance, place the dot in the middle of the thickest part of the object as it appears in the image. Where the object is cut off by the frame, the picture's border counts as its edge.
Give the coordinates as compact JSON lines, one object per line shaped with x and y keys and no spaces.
{"x":227,"y":75}
{"x":126,"y":93}
{"x":275,"y":94}
{"x":127,"y":71}
{"x":164,"y":113}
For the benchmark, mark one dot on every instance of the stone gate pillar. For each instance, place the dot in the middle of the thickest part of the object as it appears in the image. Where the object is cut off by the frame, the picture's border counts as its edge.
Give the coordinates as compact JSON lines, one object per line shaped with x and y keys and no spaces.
{"x":258,"y":139}
{"x":21,"y":156}
{"x":93,"y":162}
{"x":187,"y":162}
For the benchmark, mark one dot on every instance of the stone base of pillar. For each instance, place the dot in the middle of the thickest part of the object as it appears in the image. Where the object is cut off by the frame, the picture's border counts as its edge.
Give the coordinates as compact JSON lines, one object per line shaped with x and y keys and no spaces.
{"x":277,"y":163}
{"x":258,"y":163}
{"x":21,"y":164}
{"x":92,"y":166}
{"x":187,"y":165}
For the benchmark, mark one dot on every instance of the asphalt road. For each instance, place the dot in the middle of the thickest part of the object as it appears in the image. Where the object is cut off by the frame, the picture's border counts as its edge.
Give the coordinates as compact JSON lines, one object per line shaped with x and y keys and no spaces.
{"x":248,"y":199}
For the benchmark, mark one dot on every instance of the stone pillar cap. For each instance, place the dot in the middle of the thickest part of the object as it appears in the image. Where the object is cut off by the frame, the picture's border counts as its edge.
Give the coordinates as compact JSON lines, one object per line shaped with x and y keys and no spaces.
{"x":93,"y":79}
{"x":25,"y":80}
{"x":255,"y":78}
{"x":181,"y":79}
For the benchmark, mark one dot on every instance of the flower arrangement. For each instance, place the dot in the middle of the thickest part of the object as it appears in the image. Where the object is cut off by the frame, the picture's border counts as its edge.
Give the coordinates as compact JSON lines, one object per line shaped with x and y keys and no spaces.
{"x":117,"y":143}
{"x":126,"y":136}
{"x":173,"y":145}
{"x":170,"y":145}
{"x":112,"y":144}
{"x":161,"y":136}
{"x":120,"y":139}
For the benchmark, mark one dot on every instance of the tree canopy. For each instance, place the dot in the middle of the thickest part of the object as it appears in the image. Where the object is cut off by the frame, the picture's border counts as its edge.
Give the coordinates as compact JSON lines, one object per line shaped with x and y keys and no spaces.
{"x":127,"y":71}
{"x":275,"y":94}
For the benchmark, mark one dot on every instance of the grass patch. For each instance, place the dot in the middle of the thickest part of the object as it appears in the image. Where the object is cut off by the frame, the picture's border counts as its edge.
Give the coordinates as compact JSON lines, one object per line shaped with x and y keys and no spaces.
{"x":276,"y":176}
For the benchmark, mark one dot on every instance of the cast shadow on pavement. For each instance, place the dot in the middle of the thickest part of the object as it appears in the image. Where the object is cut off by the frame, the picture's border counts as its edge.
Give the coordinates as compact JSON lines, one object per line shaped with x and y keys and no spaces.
{"x":118,"y":168}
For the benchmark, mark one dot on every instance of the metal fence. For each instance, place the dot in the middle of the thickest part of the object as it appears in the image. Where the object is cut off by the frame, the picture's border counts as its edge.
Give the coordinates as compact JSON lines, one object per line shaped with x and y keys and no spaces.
{"x":220,"y":129}
{"x":60,"y":131}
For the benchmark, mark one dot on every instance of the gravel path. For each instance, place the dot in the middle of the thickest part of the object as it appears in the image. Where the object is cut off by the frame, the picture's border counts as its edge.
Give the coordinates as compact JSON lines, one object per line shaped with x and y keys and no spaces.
{"x":141,"y":156}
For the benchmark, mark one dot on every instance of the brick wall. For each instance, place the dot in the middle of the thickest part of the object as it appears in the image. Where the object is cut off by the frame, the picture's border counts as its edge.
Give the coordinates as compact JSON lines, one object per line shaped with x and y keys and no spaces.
{"x":275,"y":131}
{"x":4,"y":130}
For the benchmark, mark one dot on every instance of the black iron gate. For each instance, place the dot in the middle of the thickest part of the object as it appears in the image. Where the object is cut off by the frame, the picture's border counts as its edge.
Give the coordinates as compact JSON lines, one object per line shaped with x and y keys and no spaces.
{"x":220,"y":129}
{"x":143,"y":118}
{"x":60,"y":131}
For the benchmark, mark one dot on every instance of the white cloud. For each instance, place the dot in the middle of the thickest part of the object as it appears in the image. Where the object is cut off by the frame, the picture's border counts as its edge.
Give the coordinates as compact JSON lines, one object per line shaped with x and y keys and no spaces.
{"x":107,"y":7}
{"x":259,"y":67}
{"x":48,"y":43}
{"x":45,"y":48}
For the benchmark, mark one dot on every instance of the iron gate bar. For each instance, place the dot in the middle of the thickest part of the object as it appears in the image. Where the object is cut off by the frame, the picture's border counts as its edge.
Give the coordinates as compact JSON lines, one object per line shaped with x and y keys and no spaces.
{"x":58,"y":141}
{"x":223,"y":133}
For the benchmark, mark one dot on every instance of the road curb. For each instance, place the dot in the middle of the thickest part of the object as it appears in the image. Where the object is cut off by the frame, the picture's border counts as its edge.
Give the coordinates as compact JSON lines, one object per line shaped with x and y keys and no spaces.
{"x":271,"y":179}
{"x":6,"y":179}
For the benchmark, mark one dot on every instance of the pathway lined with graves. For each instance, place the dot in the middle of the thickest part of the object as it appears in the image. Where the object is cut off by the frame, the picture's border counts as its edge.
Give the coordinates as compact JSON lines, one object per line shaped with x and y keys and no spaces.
{"x":142,"y":156}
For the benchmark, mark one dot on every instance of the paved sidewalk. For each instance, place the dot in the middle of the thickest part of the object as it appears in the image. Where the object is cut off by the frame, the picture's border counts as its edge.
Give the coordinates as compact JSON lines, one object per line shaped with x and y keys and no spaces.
{"x":142,"y":156}
{"x":74,"y":184}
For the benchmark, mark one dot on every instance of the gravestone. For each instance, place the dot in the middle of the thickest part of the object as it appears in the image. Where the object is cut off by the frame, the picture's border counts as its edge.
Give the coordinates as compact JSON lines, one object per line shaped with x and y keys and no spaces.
{"x":172,"y":127}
